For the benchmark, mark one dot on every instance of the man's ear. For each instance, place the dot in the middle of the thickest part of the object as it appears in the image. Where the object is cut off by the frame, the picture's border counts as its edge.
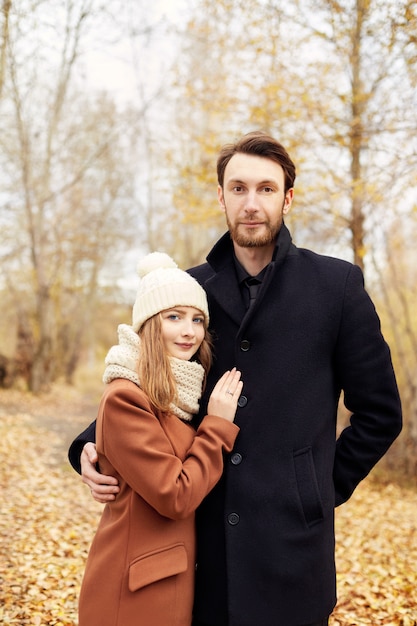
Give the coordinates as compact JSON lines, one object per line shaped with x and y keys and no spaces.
{"x":220,"y":197}
{"x":288,"y":200}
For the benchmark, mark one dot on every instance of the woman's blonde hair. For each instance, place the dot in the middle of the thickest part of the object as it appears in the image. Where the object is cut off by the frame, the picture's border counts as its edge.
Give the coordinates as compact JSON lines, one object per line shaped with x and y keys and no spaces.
{"x":155,"y":374}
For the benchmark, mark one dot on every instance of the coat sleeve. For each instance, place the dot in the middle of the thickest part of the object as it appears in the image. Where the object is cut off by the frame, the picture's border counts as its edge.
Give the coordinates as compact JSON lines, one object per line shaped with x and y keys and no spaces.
{"x":136,"y":445}
{"x":75,"y":449}
{"x":367,"y":378}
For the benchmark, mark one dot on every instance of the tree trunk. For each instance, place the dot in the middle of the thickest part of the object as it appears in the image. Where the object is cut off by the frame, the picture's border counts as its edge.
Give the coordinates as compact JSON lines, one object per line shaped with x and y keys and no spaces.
{"x":42,"y":367}
{"x":7,"y":4}
{"x":357,"y":138}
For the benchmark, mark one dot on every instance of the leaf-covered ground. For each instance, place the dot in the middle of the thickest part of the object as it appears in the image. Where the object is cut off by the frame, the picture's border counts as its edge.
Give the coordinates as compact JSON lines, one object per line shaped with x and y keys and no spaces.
{"x":47,"y":520}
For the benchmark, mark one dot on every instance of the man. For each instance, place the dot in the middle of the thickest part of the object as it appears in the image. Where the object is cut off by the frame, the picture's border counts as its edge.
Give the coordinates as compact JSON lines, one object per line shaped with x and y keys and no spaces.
{"x":301,"y":329}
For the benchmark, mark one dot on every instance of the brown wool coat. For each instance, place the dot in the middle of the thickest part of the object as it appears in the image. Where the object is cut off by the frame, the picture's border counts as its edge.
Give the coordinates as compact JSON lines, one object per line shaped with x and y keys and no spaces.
{"x":140,"y":570}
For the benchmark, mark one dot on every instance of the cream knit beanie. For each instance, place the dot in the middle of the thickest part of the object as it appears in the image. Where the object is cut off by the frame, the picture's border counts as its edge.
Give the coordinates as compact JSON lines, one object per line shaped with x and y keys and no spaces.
{"x":163,"y":286}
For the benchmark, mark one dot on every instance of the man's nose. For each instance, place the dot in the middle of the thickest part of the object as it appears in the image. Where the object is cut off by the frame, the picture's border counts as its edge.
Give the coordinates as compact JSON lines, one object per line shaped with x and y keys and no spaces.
{"x":252,"y":201}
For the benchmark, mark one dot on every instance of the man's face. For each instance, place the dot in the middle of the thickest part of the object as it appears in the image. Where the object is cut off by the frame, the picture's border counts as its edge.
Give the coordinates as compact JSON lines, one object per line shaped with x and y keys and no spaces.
{"x":253,"y":199}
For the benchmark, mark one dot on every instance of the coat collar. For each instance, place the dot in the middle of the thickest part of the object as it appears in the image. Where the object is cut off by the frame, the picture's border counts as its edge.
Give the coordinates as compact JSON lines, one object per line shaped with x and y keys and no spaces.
{"x":223,"y":286}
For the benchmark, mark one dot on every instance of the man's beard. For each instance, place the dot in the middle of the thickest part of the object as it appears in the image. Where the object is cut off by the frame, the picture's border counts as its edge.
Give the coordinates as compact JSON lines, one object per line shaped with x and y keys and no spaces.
{"x":253,"y":239}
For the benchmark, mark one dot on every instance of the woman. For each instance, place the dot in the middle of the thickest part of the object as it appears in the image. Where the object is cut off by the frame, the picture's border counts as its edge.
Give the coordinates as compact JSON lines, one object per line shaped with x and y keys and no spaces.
{"x":140,"y":570}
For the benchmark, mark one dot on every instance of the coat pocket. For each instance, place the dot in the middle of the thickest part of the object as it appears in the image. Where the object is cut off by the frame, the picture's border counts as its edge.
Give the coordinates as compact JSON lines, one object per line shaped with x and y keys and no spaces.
{"x":157,"y":565}
{"x":308,"y":487}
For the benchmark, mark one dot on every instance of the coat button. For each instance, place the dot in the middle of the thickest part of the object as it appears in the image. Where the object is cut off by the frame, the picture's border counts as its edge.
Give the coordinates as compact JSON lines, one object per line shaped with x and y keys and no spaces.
{"x":236,"y":458}
{"x":233,"y":519}
{"x":242,"y":401}
{"x":245,"y":345}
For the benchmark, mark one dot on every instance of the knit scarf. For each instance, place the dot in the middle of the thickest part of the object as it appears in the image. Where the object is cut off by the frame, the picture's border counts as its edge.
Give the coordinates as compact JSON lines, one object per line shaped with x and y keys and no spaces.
{"x":122,"y":362}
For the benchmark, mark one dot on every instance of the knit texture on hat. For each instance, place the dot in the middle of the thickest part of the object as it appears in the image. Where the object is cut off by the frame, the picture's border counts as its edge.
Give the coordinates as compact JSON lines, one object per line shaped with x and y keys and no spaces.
{"x":163,"y":286}
{"x":122,"y":362}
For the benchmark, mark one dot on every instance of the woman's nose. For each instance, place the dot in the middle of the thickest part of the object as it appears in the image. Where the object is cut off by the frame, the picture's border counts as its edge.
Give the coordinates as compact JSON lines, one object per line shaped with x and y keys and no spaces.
{"x":188,"y":328}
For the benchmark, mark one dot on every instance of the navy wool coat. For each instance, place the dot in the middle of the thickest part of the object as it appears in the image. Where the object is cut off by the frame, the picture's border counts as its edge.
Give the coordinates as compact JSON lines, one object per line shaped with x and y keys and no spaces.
{"x":265,"y":534}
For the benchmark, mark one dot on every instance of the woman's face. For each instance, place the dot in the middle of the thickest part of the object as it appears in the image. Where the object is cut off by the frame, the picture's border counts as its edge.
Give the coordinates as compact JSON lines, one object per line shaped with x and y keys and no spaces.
{"x":182,"y":331}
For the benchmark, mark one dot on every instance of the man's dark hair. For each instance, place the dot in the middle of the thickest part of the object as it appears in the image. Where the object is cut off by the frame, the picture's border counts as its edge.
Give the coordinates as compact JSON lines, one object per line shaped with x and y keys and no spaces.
{"x":260,"y":144}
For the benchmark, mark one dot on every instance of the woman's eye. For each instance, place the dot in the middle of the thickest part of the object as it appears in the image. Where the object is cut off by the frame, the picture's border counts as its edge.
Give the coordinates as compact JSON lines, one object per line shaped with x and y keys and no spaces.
{"x":198,"y":320}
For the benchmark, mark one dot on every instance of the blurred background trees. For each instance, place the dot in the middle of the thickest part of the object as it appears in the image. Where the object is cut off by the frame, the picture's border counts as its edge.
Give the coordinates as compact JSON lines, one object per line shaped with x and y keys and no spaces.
{"x":112,"y":115}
